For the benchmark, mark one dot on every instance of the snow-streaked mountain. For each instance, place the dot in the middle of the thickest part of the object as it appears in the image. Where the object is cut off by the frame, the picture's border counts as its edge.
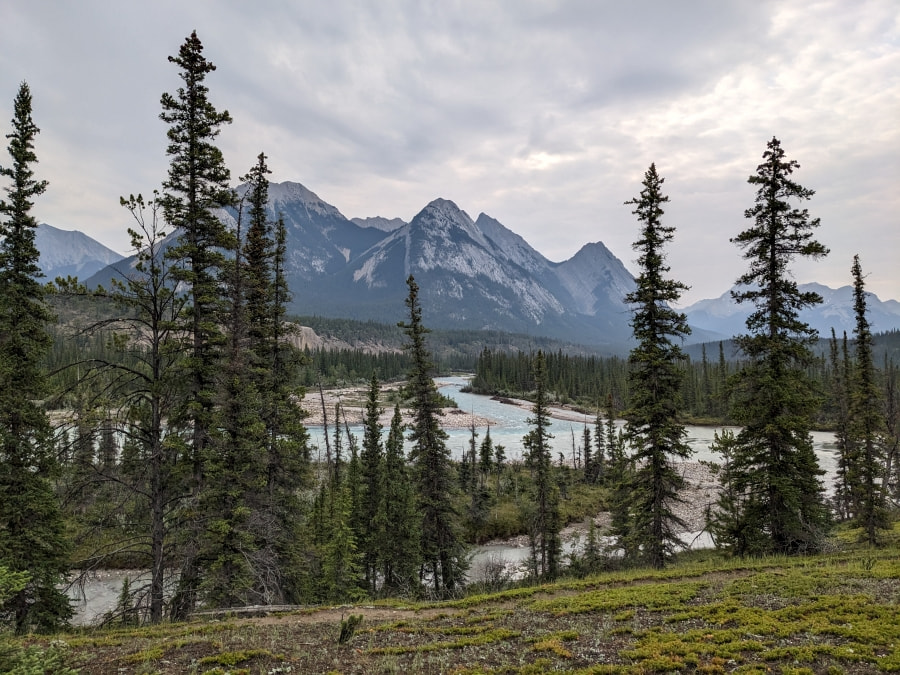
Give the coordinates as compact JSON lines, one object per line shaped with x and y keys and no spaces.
{"x":480,"y":275}
{"x":725,"y":317}
{"x":70,"y":253}
{"x":471,"y":274}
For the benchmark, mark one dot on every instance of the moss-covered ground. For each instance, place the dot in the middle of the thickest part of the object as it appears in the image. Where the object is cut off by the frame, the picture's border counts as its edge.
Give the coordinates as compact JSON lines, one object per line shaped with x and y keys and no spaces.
{"x":834,"y":613}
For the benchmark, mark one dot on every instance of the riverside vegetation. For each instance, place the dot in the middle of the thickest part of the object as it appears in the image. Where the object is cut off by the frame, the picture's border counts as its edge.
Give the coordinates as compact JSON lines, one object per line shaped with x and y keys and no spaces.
{"x":179,"y":446}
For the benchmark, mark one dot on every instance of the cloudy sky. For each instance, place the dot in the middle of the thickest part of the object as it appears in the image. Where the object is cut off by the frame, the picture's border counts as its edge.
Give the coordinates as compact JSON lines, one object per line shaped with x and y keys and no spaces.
{"x":543,"y":114}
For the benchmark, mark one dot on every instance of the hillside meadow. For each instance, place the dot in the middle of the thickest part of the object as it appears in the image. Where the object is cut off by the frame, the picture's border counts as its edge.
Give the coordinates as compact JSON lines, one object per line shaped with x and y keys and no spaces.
{"x":832,"y":613}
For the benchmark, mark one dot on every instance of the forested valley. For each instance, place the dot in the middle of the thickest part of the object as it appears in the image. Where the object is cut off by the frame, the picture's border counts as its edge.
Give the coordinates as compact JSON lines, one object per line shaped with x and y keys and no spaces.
{"x":156,"y":425}
{"x":584,"y":382}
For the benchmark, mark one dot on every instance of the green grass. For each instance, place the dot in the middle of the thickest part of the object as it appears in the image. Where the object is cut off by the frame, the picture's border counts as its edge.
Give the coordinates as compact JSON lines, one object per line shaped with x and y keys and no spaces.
{"x":836,"y":613}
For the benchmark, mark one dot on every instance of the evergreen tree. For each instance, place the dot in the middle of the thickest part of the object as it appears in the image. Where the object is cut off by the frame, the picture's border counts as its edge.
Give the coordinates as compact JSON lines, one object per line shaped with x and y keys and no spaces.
{"x":442,"y":549}
{"x":587,"y":445}
{"x":355,"y":489}
{"x":891,"y":375}
{"x":341,"y":565}
{"x":545,"y":521}
{"x":486,"y":456}
{"x":274,"y":362}
{"x":372,"y":532}
{"x":598,"y":459}
{"x":233,"y":464}
{"x":866,"y":420}
{"x":196,"y":186}
{"x":499,"y":463}
{"x":726,"y":521}
{"x":259,"y":251}
{"x":653,"y":426}
{"x":618,"y":481}
{"x":843,"y":494}
{"x":32,"y":532}
{"x":775,"y":471}
{"x":400,"y":554}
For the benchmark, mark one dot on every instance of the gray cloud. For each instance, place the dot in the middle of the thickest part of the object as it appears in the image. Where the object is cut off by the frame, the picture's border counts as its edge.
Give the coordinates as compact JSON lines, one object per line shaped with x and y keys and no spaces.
{"x":543,"y":114}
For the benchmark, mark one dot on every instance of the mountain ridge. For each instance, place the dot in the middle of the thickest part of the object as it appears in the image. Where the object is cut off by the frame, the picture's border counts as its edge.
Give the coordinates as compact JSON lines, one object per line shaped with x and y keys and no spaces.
{"x":472,"y":274}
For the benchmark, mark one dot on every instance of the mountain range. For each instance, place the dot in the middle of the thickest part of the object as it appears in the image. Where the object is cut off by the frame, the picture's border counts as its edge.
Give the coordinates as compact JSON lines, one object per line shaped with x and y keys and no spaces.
{"x":475,"y":274}
{"x":724,"y":317}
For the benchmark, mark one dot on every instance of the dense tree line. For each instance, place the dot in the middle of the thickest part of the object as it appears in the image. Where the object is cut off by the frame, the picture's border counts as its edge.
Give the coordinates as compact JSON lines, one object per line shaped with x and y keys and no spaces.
{"x":584,"y":381}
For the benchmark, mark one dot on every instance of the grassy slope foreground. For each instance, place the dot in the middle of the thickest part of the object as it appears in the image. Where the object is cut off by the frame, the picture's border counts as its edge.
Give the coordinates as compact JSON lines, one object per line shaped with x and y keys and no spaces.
{"x":826,"y":614}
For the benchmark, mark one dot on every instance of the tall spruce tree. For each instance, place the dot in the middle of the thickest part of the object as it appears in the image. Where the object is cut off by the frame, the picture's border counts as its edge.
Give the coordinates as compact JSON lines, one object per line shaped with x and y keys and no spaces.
{"x":442,"y":549}
{"x":843,"y":494}
{"x":653,"y":425}
{"x":273,"y":361}
{"x":372,"y":534}
{"x":774,"y":469}
{"x":196,"y":186}
{"x":233,"y":465}
{"x":545,"y":524}
{"x":400,"y":555}
{"x":867,"y":427}
{"x":32,"y":532}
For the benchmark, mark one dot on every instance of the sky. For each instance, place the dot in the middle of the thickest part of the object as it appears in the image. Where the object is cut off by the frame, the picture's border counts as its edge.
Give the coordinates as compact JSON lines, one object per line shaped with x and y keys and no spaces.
{"x":542,"y":114}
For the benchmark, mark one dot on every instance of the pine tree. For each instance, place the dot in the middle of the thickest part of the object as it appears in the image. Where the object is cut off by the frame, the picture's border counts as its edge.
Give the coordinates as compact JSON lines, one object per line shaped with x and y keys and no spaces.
{"x":726,"y":521}
{"x":485,"y":457}
{"x":372,"y":534}
{"x":866,"y":420}
{"x":341,"y":564}
{"x":196,"y":186}
{"x":843,"y":494}
{"x":775,"y":471}
{"x":401,"y":553}
{"x":32,"y":532}
{"x":618,"y":481}
{"x":653,"y":426}
{"x":598,"y":460}
{"x":587,"y":445}
{"x":233,"y":466}
{"x":545,"y":526}
{"x":274,"y":362}
{"x":442,"y":548}
{"x":499,"y":464}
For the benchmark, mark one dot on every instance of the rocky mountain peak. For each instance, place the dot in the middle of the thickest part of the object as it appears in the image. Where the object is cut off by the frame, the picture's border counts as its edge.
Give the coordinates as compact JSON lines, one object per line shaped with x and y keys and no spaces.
{"x":70,"y":253}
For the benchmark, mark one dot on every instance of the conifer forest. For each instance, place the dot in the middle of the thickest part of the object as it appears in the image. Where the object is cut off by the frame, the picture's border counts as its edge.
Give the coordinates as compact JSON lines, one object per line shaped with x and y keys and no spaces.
{"x":156,"y":423}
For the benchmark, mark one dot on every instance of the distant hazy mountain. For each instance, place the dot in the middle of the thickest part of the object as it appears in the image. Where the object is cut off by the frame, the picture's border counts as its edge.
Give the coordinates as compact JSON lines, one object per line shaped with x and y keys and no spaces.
{"x":726,"y":318}
{"x":70,"y":253}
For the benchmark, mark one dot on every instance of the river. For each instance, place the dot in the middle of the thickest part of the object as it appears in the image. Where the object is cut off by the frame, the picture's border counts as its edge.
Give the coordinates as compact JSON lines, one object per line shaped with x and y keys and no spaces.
{"x":510,"y":424}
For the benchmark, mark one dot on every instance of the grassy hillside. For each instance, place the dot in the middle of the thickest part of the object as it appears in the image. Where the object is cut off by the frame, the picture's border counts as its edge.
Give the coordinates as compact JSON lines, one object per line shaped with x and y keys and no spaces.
{"x":832,"y":613}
